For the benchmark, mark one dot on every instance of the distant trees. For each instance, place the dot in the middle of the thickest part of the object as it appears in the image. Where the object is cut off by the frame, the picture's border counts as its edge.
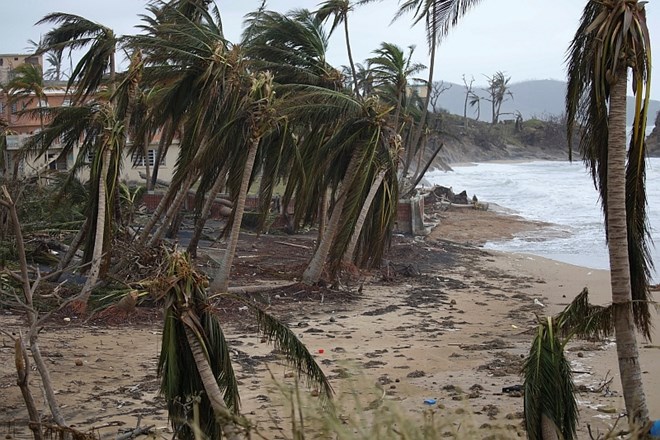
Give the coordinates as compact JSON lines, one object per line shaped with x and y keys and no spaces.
{"x":498,"y":92}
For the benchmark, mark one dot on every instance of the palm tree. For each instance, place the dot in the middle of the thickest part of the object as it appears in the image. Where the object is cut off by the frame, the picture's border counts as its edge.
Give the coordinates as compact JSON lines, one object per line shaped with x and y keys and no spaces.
{"x":612,"y":39}
{"x":498,"y":90}
{"x":94,"y":89}
{"x":340,"y":9}
{"x":28,"y":85}
{"x":292,"y":47}
{"x":195,"y":362}
{"x":439,"y":16}
{"x":392,"y":72}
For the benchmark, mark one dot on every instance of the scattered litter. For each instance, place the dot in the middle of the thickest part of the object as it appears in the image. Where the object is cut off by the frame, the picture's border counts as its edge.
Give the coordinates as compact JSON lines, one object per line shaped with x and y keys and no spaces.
{"x":430,"y":401}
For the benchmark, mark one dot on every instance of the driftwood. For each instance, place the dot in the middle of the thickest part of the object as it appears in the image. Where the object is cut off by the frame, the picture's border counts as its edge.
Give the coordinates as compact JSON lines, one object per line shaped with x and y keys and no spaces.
{"x":135,"y":432}
{"x":257,"y":288}
{"x":299,"y":246}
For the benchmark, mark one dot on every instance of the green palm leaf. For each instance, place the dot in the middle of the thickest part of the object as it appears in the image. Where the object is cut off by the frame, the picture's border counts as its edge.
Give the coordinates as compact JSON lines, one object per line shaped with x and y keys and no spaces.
{"x":284,"y":340}
{"x":548,"y":388}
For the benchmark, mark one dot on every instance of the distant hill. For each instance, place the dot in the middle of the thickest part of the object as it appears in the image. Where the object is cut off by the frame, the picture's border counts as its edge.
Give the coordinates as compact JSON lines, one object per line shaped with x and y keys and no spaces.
{"x":533,"y":99}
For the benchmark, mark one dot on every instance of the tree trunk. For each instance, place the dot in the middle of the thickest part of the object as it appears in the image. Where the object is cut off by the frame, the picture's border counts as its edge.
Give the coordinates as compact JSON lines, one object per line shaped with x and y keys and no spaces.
{"x":97,"y":255}
{"x":626,"y":341}
{"x":323,"y":216}
{"x":45,"y":379}
{"x":425,"y":111}
{"x":163,"y":145}
{"x":350,"y":57}
{"x":172,"y":209}
{"x":158,"y":212}
{"x":73,"y":248}
{"x":548,"y":428}
{"x":205,"y":214}
{"x":349,"y":255}
{"x":220,"y":409}
{"x":221,"y":279}
{"x":32,"y":314}
{"x":312,"y":273}
{"x":22,"y":371}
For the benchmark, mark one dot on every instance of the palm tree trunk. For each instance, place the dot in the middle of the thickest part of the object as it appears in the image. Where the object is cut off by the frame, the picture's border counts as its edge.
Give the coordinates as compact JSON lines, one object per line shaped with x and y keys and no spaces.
{"x":221,"y":279}
{"x":163,"y":145}
{"x":350,"y":57}
{"x":73,"y":248}
{"x":312,"y":273}
{"x":211,"y":387}
{"x":205,"y":214}
{"x":425,"y":111}
{"x":97,"y":255}
{"x":172,"y":210}
{"x":323,"y":216}
{"x":158,"y":212}
{"x":349,"y":255}
{"x":626,"y":342}
{"x":548,"y":428}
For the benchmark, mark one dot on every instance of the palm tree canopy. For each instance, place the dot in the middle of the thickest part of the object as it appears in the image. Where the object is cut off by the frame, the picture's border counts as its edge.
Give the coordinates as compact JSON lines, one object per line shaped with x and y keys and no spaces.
{"x":75,"y":32}
{"x":292,"y":46}
{"x":27,"y":80}
{"x":439,"y":15}
{"x":613,"y":34}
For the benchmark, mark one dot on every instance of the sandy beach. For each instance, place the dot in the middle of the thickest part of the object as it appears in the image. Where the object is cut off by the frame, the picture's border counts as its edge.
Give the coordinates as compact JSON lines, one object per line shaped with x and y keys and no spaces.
{"x":453,"y":333}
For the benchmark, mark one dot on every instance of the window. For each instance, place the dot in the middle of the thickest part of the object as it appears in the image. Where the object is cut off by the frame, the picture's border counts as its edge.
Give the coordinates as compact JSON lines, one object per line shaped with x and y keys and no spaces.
{"x":43,"y":103}
{"x":138,"y":159}
{"x":56,"y":164}
{"x":66,"y":102}
{"x":14,"y":108}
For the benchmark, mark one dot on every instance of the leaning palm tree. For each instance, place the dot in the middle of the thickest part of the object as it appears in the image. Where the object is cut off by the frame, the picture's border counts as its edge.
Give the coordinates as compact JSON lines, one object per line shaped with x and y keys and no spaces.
{"x":291,"y":46}
{"x":197,"y":376}
{"x":341,"y":9}
{"x":439,"y":16}
{"x":613,"y":39}
{"x":392,"y":70}
{"x":73,"y":32}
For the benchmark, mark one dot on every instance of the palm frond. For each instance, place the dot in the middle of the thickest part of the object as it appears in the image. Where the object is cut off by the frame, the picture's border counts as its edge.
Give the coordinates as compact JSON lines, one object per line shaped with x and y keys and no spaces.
{"x":284,"y":340}
{"x":548,"y":385}
{"x":584,"y":320}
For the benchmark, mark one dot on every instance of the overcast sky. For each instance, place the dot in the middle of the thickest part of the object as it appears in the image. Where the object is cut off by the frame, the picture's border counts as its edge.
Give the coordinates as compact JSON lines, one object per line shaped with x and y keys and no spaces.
{"x":525,"y":39}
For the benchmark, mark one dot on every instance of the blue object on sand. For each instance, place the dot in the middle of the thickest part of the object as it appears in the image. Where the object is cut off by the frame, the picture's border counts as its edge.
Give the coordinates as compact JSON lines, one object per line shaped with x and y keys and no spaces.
{"x":655,"y":429}
{"x":430,"y":401}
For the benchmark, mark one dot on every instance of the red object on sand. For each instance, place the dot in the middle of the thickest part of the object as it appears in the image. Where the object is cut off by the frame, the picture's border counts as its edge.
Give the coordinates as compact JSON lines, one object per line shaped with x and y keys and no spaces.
{"x":321,"y":351}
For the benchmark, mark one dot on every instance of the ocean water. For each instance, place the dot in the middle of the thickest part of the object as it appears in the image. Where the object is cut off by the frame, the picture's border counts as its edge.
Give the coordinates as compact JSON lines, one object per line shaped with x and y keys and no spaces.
{"x":561,"y":193}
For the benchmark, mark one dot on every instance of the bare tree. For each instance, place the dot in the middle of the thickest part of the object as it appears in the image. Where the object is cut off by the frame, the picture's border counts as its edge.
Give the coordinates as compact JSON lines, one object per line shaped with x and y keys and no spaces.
{"x":468,"y":93}
{"x":437,"y":89}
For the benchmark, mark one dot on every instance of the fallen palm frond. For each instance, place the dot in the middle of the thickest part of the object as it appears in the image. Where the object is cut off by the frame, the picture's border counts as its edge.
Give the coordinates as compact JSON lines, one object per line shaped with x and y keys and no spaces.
{"x":288,"y":343}
{"x":550,"y":406}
